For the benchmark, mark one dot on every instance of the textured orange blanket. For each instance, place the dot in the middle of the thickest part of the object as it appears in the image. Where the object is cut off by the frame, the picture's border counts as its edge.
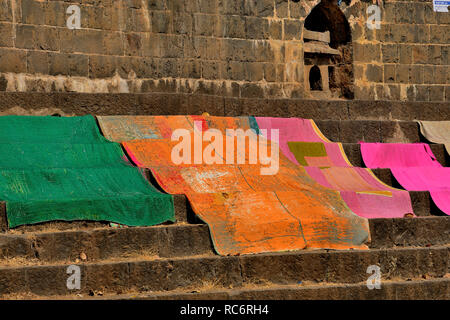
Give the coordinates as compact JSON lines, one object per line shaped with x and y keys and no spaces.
{"x":247,"y":212}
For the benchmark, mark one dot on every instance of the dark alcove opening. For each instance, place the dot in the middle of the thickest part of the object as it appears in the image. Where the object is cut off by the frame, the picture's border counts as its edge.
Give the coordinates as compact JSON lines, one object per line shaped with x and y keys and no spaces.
{"x":327,"y":16}
{"x":315,"y":79}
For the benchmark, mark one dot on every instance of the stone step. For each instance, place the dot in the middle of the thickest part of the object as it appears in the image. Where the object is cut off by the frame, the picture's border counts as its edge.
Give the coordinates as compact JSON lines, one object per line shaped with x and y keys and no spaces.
{"x":410,"y":289}
{"x":354,"y":131}
{"x":184,"y":240}
{"x":145,"y":274}
{"x":183,"y":104}
{"x":417,"y":289}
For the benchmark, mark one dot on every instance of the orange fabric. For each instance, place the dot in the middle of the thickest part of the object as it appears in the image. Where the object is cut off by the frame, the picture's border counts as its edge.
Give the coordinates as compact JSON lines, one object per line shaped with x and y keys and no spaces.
{"x":247,"y":212}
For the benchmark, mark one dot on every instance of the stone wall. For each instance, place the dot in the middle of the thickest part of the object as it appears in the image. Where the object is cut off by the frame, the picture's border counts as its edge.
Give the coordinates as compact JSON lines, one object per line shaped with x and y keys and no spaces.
{"x":408,"y":58}
{"x":232,"y":48}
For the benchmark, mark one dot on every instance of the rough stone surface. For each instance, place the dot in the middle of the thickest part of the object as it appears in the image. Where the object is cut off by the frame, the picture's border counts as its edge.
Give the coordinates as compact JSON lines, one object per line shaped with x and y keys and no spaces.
{"x":248,"y":49}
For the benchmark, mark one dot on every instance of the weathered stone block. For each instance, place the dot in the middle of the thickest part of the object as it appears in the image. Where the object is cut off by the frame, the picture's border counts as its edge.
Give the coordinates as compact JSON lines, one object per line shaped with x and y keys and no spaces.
{"x":55,"y":13}
{"x":6,"y":35}
{"x":404,"y":33}
{"x":402,"y":73}
{"x":191,"y":69}
{"x":374,"y":73}
{"x":58,"y":64}
{"x":25,"y":38}
{"x":393,"y":92}
{"x":428,"y":76}
{"x":37,"y":62}
{"x":416,"y":74}
{"x":47,"y":38}
{"x":404,"y":12}
{"x":419,"y":13}
{"x":275,"y":29}
{"x":132,"y":44}
{"x":88,"y":41}
{"x":270,"y":72}
{"x":33,"y":12}
{"x":251,"y":90}
{"x":292,"y":29}
{"x":101,"y":66}
{"x":182,"y":23}
{"x":386,"y":33}
{"x":254,"y":71}
{"x":439,"y":34}
{"x":419,"y":54}
{"x":281,"y":8}
{"x":422,"y":34}
{"x":422,"y":93}
{"x":264,"y":8}
{"x":390,"y":53}
{"x":429,"y":14}
{"x":208,"y":6}
{"x":113,"y":42}
{"x":160,"y":21}
{"x":145,"y":67}
{"x":233,"y":26}
{"x":434,"y":54}
{"x":389,"y":12}
{"x":236,"y":70}
{"x":13,"y":60}
{"x":91,"y":17}
{"x":437,"y":93}
{"x":231,"y":7}
{"x":171,"y":46}
{"x":5,"y":11}
{"x":169,"y":68}
{"x":405,"y":53}
{"x":211,"y":70}
{"x":79,"y":65}
{"x":256,"y":28}
{"x":389,"y":73}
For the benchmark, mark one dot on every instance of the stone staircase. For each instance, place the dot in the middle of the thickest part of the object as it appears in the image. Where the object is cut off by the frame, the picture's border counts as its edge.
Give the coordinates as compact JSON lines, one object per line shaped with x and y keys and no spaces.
{"x":177,"y":261}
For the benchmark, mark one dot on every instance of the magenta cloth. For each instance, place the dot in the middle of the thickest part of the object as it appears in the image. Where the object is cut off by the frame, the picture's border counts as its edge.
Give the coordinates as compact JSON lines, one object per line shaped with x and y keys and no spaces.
{"x":414,"y":166}
{"x":391,"y":155}
{"x":290,"y":129}
{"x":364,"y":194}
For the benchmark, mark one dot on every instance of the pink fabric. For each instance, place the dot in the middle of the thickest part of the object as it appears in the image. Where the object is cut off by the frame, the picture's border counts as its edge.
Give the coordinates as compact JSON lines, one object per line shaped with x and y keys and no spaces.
{"x":391,"y":155}
{"x":414,"y":166}
{"x":357,"y":186}
{"x":290,"y":129}
{"x":297,"y":129}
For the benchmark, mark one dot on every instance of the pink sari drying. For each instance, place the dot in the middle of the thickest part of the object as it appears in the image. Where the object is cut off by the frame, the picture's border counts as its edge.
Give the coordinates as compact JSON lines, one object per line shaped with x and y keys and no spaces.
{"x":414,"y":166}
{"x":365,"y":194}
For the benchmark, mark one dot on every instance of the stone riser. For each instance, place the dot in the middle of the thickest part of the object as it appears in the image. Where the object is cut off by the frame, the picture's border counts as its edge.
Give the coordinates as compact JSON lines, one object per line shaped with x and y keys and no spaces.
{"x":183,"y":104}
{"x":225,"y":272}
{"x":394,"y":290}
{"x":188,"y":240}
{"x":354,"y":131}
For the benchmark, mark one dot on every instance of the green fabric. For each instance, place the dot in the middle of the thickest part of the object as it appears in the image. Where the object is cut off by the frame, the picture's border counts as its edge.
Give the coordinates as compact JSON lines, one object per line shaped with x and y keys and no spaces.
{"x":64,"y":169}
{"x":307,"y":149}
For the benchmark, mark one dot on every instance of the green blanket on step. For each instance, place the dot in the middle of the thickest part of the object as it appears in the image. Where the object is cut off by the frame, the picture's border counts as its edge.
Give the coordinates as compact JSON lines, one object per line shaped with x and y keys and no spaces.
{"x":64,"y":169}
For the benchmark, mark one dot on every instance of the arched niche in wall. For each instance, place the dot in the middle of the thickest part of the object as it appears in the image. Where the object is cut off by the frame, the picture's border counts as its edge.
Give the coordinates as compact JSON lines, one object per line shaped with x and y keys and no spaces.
{"x":328,"y":44}
{"x":315,"y":79}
